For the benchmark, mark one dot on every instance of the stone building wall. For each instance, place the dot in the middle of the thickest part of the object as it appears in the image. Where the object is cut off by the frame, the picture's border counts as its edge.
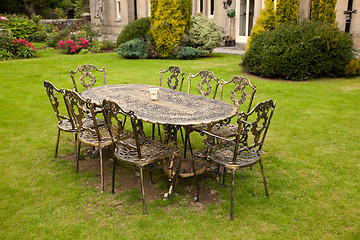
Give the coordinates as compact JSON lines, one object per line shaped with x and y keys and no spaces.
{"x":114,"y":15}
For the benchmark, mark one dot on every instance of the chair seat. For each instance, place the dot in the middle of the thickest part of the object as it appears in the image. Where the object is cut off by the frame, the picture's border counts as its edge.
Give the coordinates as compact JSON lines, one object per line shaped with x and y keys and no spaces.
{"x":88,"y":122}
{"x":227,"y":130}
{"x":222,"y":130}
{"x":151,"y":150}
{"x":66,"y":126}
{"x":89,"y":137}
{"x":223,"y":154}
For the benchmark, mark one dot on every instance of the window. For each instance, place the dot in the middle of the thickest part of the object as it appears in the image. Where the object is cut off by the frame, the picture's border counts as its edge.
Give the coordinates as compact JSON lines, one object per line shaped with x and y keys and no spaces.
{"x":212,"y":7}
{"x":118,"y":10}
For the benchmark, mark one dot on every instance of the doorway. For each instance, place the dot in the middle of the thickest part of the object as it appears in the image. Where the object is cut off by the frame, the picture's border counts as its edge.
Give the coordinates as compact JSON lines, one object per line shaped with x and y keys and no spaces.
{"x":246,"y":19}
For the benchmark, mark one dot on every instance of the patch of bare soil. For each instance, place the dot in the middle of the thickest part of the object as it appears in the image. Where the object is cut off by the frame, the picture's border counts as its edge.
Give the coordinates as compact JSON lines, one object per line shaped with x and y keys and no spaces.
{"x":128,"y":177}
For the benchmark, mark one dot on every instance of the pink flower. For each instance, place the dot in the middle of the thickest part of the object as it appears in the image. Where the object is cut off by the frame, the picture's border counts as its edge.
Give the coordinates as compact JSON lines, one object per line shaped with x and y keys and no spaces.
{"x":3,"y":18}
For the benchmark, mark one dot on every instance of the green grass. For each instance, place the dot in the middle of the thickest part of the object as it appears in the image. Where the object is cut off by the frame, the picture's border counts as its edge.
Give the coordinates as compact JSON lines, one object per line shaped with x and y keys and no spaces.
{"x":311,"y":160}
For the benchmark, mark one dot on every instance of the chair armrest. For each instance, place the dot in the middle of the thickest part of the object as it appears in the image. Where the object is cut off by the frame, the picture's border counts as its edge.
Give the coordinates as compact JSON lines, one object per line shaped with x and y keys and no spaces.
{"x":216,"y":136}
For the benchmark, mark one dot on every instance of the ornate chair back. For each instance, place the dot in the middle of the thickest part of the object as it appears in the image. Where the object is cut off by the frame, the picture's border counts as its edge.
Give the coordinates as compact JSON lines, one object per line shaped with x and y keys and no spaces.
{"x":82,"y":113}
{"x":207,"y":78}
{"x":252,"y":130}
{"x":115,"y":118}
{"x":86,"y":72}
{"x":243,"y":87}
{"x":173,"y":72}
{"x":54,"y":94}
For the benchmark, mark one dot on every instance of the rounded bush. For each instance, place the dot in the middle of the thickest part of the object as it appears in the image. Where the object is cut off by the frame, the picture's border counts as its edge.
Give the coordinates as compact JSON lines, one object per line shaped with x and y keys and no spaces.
{"x":190,"y":53}
{"x":299,"y":51}
{"x":204,"y":33}
{"x":133,"y":49}
{"x":136,"y":29}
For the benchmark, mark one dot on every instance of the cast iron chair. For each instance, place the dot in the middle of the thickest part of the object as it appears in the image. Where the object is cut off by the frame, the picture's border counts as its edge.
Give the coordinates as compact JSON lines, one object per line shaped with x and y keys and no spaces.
{"x":65,"y":123}
{"x":173,"y":72}
{"x":86,"y":71}
{"x":245,"y":149}
{"x":96,"y":134}
{"x":207,"y":82}
{"x":174,"y":77}
{"x":243,"y":87}
{"x":139,"y":151}
{"x":206,"y":78}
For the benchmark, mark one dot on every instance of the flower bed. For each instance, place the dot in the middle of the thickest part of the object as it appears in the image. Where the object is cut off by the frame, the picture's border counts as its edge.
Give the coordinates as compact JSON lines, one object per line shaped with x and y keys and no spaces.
{"x":71,"y":47}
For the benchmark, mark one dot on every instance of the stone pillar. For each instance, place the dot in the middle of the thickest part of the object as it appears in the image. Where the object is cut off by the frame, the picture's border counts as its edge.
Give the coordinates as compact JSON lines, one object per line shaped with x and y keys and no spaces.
{"x":304,"y":9}
{"x":258,"y":5}
{"x":124,"y":12}
{"x":142,"y":8}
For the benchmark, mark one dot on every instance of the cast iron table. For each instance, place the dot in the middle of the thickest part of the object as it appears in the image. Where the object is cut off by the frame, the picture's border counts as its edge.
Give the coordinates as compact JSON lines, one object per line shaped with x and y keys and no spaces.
{"x":172,"y":108}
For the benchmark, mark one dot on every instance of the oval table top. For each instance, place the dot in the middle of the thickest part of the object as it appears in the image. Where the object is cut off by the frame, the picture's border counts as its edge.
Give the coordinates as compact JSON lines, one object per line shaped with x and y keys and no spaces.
{"x":172,"y":107}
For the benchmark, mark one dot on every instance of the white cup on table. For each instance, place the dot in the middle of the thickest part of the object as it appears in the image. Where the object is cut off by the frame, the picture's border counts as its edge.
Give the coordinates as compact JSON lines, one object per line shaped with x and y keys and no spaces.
{"x":154,"y":93}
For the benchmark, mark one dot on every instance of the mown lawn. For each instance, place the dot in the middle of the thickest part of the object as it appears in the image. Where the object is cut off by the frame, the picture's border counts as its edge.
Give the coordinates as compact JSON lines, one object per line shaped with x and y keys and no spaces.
{"x":311,"y":160}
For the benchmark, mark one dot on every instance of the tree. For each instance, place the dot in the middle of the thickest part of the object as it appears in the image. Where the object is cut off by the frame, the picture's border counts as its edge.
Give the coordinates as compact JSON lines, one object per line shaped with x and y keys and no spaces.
{"x":323,"y":10}
{"x":265,"y":22}
{"x":170,"y":19}
{"x":287,"y":11}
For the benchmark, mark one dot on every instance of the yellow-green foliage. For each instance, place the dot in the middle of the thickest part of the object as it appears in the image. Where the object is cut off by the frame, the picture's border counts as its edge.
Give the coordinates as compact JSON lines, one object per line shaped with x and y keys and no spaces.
{"x":287,"y":11}
{"x":170,"y":19}
{"x":323,"y":10}
{"x":353,"y":67}
{"x":265,"y":22}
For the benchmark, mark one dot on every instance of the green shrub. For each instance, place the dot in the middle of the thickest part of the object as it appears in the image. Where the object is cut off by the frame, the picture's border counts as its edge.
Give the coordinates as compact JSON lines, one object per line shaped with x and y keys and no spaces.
{"x":75,"y":33}
{"x":133,"y":49}
{"x":323,"y":10}
{"x":136,"y":29}
{"x":287,"y":11}
{"x":84,"y":51}
{"x":15,"y":48}
{"x":299,"y":51}
{"x":352,"y":68}
{"x":6,"y":41}
{"x":56,"y":35}
{"x":5,"y":55}
{"x":170,"y":20}
{"x":190,"y":53}
{"x":21,"y":27}
{"x":25,"y":52}
{"x":204,"y":33}
{"x":151,"y":51}
{"x":41,"y":35}
{"x":98,"y":46}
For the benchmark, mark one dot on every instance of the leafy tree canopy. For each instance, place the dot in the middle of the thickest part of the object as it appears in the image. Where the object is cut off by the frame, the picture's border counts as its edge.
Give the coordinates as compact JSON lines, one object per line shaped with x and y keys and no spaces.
{"x":31,"y":7}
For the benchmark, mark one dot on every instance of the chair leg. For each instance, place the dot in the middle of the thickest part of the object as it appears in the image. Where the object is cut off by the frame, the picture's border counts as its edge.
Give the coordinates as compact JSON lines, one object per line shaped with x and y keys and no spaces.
{"x":57,"y":143}
{"x":196,"y":199}
{"x":264,"y":179}
{"x":101,"y":170}
{"x":142,"y":190}
{"x":75,"y":147}
{"x":218,"y":173}
{"x":78,"y":157}
{"x":159,"y":132}
{"x":153,"y":132}
{"x":232,"y":195}
{"x":224,"y":176}
{"x":113,"y":177}
{"x":150,"y":173}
